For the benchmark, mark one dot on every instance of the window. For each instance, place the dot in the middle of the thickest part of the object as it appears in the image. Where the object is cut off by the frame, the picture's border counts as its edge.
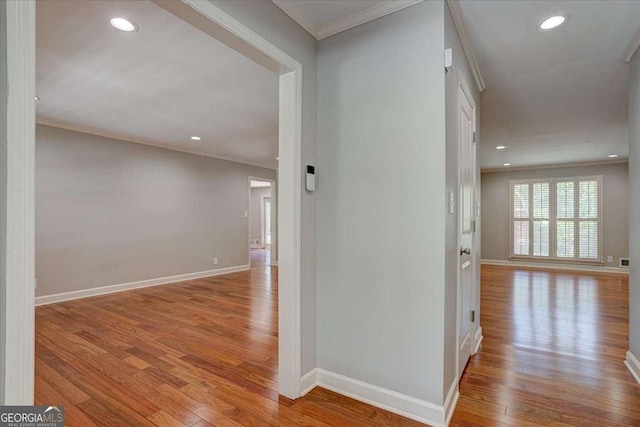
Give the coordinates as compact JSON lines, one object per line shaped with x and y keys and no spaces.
{"x":557,"y":218}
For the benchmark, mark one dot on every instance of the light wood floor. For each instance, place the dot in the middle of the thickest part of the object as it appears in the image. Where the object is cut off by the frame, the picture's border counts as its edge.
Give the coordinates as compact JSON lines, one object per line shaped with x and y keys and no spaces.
{"x":199,"y":353}
{"x":553,"y":352}
{"x":204,"y":352}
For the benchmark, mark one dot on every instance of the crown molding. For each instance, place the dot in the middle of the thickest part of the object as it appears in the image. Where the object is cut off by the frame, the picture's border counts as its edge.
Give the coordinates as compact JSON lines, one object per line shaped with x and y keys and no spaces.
{"x":365,"y":16}
{"x":456,"y":15}
{"x":289,"y":8}
{"x":632,"y":46}
{"x":507,"y":169}
{"x":342,"y":24}
{"x":81,"y":129}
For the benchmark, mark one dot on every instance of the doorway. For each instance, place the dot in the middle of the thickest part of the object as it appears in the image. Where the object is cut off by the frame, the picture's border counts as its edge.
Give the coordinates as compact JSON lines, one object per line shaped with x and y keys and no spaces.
{"x":263,"y":222}
{"x":19,"y":379}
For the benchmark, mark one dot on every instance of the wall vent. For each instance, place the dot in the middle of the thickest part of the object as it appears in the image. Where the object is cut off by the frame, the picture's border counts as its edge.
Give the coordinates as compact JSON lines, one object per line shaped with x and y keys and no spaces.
{"x":624,"y":262}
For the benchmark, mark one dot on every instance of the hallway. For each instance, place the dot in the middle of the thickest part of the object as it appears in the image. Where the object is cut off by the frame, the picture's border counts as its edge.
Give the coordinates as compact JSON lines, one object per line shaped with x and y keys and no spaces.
{"x":553,"y":351}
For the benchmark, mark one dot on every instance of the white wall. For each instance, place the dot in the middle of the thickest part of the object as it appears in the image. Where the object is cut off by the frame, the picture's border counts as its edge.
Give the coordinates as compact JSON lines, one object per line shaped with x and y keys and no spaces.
{"x":110,"y":212}
{"x":274,"y":25}
{"x":634,"y":197}
{"x":615,"y":218}
{"x":381,"y":213}
{"x":462,"y":70}
{"x":256,"y":216}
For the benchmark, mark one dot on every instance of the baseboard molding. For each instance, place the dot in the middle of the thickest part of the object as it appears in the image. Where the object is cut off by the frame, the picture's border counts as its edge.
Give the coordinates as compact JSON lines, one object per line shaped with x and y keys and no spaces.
{"x":633,"y":366}
{"x":256,"y":246}
{"x":309,"y":381}
{"x":451,"y":401}
{"x":477,"y":340}
{"x":556,"y":266}
{"x":389,"y":400}
{"x":103,"y":290}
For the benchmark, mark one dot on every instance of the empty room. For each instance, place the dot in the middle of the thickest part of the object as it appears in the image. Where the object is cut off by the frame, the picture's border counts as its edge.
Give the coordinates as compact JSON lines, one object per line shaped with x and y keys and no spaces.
{"x":321,"y":213}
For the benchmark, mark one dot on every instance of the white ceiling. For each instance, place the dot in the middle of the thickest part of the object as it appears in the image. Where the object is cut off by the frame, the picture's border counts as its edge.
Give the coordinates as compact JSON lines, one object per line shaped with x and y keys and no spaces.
{"x":552,"y":97}
{"x":324,"y":18}
{"x":159,"y":86}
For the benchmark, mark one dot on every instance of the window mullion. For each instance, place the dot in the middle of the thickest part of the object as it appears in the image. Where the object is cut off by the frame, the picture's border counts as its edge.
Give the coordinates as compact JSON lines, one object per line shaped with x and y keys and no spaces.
{"x":552,"y":219}
{"x":576,"y":219}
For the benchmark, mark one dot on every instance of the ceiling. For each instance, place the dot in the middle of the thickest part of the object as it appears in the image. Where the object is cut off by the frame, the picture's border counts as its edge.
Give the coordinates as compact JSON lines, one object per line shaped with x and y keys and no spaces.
{"x":557,"y":96}
{"x":324,"y":18}
{"x":160,"y":86}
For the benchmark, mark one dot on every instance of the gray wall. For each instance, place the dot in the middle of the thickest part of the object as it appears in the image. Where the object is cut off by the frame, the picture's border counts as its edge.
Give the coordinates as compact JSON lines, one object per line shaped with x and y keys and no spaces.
{"x":634,"y":197}
{"x":255,"y":220}
{"x":495,"y":207}
{"x":111,"y":212}
{"x":381,"y":157}
{"x":265,"y":18}
{"x":452,"y":254}
{"x":3,"y":184}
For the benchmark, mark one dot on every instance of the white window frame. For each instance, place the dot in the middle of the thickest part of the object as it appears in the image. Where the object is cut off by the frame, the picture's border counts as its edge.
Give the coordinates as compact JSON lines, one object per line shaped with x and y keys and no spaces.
{"x":553,"y":220}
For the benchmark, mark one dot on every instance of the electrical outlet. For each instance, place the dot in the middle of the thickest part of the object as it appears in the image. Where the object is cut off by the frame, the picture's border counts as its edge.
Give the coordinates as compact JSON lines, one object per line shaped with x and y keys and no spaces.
{"x":246,"y":214}
{"x":609,"y":259}
{"x":215,"y":261}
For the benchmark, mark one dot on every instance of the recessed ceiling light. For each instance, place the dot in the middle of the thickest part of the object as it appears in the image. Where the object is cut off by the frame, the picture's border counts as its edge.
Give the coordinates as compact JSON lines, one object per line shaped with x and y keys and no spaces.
{"x":37,"y":98}
{"x":123,"y":24}
{"x":552,"y":22}
{"x":195,"y":138}
{"x":501,"y":147}
{"x":507,"y":164}
{"x":613,"y":156}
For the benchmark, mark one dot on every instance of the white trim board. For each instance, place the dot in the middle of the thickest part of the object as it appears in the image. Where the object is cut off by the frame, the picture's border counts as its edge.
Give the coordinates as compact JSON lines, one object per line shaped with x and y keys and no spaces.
{"x":320,"y":32}
{"x":104,"y":290}
{"x":18,"y":313}
{"x":633,"y":366}
{"x":556,"y":266}
{"x":389,"y":400}
{"x":458,"y":21}
{"x":309,"y":381}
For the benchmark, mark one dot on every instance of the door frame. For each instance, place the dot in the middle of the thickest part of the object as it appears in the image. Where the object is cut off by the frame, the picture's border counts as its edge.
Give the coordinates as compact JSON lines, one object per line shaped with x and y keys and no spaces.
{"x":462,"y":85}
{"x":19,"y":376}
{"x":274,"y":195}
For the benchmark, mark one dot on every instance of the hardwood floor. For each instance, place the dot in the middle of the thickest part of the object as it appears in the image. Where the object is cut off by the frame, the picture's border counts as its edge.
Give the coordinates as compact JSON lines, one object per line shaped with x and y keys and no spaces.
{"x":204,"y":352}
{"x":199,"y":353}
{"x":553,"y":351}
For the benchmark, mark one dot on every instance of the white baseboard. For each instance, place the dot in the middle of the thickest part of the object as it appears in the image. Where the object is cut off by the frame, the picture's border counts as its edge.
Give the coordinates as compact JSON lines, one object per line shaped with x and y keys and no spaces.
{"x":256,"y":246}
{"x":477,"y":340}
{"x":309,"y":381}
{"x":633,"y":366}
{"x":85,"y":293}
{"x":451,"y":401}
{"x":555,"y":266}
{"x":389,"y":400}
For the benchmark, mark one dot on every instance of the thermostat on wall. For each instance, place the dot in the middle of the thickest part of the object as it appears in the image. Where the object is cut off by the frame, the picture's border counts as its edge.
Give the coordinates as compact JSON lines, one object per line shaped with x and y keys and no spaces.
{"x":311,"y":178}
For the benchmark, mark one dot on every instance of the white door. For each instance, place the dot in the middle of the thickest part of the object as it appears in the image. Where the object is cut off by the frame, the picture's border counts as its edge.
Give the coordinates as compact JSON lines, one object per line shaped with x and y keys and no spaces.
{"x":466,"y":226}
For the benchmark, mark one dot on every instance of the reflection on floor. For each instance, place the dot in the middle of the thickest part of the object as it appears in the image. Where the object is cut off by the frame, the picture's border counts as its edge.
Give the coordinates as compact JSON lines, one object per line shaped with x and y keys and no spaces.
{"x":553,"y":352}
{"x":260,"y":258}
{"x":198,"y":353}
